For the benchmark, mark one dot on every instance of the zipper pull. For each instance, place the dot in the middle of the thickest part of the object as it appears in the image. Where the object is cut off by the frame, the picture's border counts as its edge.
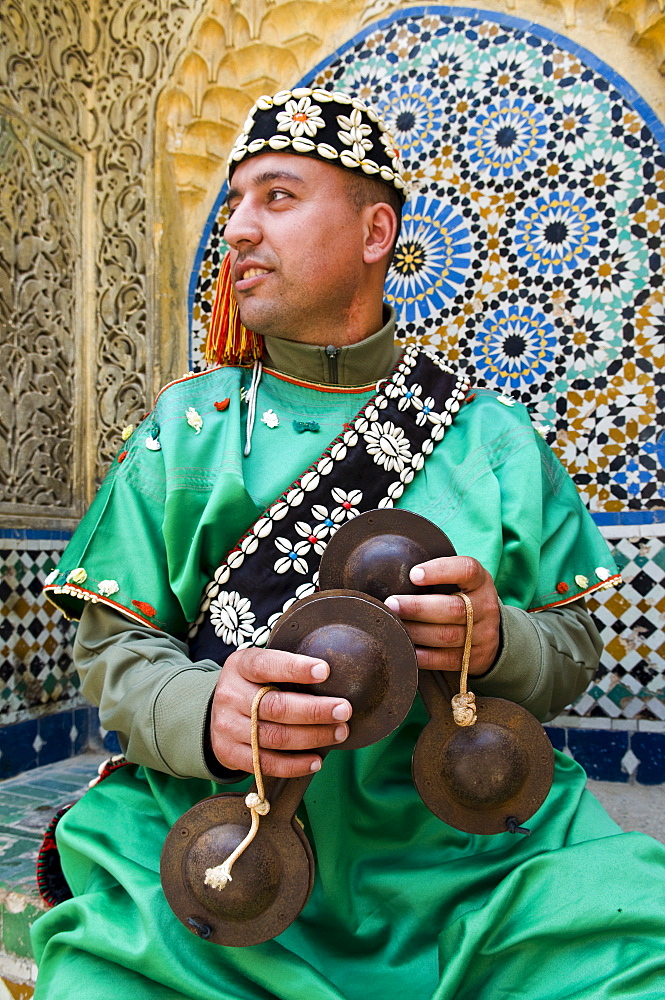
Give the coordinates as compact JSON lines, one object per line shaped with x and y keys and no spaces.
{"x":331,"y":353}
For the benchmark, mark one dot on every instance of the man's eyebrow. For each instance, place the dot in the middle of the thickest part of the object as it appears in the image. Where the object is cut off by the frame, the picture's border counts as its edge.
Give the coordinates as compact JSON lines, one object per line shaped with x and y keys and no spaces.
{"x":266,"y":178}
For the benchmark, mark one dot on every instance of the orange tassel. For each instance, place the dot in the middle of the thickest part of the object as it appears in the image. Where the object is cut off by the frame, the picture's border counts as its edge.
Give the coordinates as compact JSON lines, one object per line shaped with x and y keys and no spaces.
{"x":228,"y":341}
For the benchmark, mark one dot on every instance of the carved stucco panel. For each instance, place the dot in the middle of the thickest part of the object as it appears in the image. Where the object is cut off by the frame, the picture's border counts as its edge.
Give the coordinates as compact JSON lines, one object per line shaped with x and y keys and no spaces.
{"x":40,"y":253}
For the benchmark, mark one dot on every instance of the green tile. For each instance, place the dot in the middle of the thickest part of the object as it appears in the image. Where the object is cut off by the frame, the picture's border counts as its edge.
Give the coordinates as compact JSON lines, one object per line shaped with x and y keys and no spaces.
{"x":16,"y":928}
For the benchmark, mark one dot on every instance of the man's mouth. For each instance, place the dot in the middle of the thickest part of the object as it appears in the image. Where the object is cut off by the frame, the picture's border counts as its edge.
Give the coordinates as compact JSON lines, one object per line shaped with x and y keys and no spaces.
{"x":252,"y":272}
{"x":248,"y":278}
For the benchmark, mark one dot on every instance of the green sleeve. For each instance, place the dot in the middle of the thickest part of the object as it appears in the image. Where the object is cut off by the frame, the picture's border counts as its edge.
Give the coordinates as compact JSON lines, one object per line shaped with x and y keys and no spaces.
{"x":547,"y":659}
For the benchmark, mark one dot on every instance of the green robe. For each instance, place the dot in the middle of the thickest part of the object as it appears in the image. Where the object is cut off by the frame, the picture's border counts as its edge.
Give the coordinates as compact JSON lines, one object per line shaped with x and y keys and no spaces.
{"x":402,"y":904}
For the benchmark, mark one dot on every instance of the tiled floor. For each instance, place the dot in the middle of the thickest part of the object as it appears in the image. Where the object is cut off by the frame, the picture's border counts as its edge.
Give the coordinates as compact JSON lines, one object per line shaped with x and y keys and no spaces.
{"x":28,"y":802}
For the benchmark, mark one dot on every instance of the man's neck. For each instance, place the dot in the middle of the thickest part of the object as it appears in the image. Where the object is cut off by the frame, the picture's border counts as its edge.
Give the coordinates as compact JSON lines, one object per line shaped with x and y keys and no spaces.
{"x":358,"y":364}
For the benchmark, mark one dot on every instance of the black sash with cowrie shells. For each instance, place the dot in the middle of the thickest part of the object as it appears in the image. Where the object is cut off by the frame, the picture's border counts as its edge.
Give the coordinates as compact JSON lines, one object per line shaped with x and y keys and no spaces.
{"x":368,"y":465}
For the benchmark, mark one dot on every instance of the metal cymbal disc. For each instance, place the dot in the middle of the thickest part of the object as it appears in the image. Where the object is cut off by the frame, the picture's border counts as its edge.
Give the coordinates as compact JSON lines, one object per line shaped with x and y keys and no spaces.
{"x":371,"y":657}
{"x":478,"y":777}
{"x":374,"y":552}
{"x":271,"y":881}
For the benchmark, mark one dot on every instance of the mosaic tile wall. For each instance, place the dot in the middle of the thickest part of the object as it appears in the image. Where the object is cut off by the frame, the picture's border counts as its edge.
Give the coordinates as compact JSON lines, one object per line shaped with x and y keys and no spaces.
{"x":35,"y":639}
{"x":532,"y":254}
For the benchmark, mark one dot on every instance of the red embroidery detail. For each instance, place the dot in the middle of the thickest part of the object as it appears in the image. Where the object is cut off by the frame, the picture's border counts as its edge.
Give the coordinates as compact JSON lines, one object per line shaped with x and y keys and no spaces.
{"x":562,"y":587}
{"x":223,"y":404}
{"x":347,"y":505}
{"x":122,"y":456}
{"x":470,"y":399}
{"x":147,"y":609}
{"x":312,"y":539}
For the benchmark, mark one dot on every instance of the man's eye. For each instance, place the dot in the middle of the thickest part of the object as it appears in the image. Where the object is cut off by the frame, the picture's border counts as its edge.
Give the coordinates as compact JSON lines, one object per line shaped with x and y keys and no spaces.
{"x":278,"y":195}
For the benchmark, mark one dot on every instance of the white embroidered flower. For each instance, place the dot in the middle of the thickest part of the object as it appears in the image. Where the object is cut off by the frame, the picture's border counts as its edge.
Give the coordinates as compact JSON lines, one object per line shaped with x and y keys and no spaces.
{"x":410,"y":397}
{"x":543,"y":429}
{"x":388,"y":445}
{"x":152,"y":443}
{"x":108,"y":587}
{"x":51,"y":578}
{"x":328,"y":520}
{"x":427,"y":413}
{"x":582,"y":581}
{"x":270,"y":419}
{"x":601,"y":572}
{"x":353,"y":132}
{"x":313,"y":536}
{"x":77,"y":575}
{"x":292,"y":556}
{"x":506,"y":400}
{"x":347,"y":503}
{"x":300,"y":118}
{"x":194,"y":419}
{"x":232,"y":618}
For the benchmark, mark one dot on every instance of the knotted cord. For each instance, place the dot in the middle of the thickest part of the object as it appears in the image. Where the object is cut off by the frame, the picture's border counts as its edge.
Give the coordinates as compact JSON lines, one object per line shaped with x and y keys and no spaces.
{"x":464,"y":703}
{"x":256,"y":801}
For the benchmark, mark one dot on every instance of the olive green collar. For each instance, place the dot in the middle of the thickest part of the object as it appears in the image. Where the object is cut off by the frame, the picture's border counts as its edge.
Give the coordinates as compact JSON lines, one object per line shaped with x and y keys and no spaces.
{"x":359,"y":364}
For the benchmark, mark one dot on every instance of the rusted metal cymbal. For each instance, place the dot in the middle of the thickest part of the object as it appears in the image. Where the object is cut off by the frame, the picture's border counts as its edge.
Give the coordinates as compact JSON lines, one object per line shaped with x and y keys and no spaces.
{"x":271,"y":881}
{"x":371,"y":657}
{"x":374,"y":552}
{"x":480,"y":778}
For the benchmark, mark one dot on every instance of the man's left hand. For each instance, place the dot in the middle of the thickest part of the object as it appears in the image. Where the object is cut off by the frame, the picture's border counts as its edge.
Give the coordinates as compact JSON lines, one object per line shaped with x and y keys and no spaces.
{"x":437,"y":622}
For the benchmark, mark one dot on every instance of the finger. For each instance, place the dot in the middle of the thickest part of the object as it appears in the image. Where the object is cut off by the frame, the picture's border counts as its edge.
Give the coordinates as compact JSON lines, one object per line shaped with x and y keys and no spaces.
{"x":439,"y":659}
{"x":277,"y":765}
{"x":294,"y":708}
{"x":436,"y":635}
{"x":464,"y":571}
{"x":273,"y":736}
{"x":274,"y":666}
{"x":433,"y":608}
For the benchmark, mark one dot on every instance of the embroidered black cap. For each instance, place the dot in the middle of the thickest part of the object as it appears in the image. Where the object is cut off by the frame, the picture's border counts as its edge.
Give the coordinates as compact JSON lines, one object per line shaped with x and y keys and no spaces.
{"x":327,"y":125}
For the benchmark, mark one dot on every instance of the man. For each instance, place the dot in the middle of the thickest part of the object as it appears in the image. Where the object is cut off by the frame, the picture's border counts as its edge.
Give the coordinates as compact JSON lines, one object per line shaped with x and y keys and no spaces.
{"x":204,"y":499}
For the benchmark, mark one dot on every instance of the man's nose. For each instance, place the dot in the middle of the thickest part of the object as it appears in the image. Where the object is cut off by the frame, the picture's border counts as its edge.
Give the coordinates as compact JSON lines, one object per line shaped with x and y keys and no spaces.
{"x":243,"y":227}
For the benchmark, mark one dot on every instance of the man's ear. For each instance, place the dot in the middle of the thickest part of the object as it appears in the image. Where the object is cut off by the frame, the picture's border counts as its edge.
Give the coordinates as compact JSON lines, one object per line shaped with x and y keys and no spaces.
{"x":380,"y":232}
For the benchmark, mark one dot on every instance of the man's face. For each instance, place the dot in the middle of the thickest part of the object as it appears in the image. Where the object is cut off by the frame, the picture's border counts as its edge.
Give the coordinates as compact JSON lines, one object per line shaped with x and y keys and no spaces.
{"x":296,"y":248}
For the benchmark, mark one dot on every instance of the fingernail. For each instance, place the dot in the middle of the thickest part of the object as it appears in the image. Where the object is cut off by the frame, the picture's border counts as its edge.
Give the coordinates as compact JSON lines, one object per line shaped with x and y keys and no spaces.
{"x":417,"y":574}
{"x":320,"y":672}
{"x":341,"y":713}
{"x":315,"y":765}
{"x":392,"y":603}
{"x":340,"y":733}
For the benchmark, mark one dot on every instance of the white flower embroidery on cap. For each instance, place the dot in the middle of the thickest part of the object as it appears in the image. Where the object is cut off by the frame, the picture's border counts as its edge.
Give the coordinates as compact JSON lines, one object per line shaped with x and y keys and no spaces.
{"x":353,"y":132}
{"x":300,"y":118}
{"x":232,"y":617}
{"x":108,"y":587}
{"x":389,"y":446}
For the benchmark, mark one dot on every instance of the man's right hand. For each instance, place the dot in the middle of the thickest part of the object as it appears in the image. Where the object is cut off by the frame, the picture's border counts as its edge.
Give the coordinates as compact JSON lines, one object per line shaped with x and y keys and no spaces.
{"x":290,"y":723}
